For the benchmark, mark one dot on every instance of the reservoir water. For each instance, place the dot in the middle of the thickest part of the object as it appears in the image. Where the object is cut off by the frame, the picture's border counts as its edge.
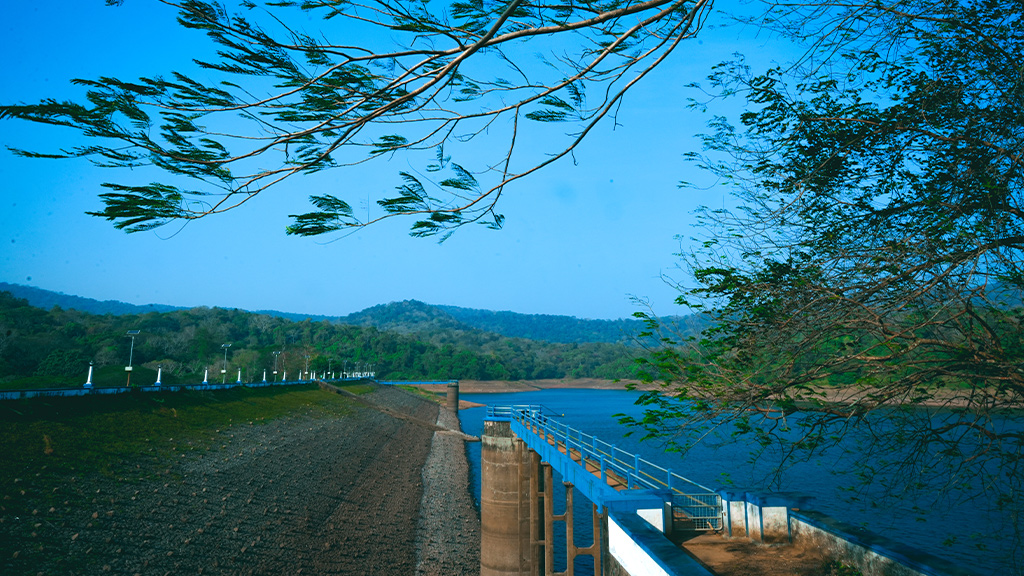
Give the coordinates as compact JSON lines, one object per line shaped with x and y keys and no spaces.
{"x":967,"y":533}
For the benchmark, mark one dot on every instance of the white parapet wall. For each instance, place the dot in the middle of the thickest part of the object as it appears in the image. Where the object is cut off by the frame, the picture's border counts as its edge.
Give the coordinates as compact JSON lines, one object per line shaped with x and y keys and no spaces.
{"x":629,"y":554}
{"x":655,"y":517}
{"x":637,"y":548}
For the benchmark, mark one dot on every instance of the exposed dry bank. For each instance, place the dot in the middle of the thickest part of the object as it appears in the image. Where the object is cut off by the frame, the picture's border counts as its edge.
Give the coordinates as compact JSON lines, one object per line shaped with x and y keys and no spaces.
{"x":309,"y":493}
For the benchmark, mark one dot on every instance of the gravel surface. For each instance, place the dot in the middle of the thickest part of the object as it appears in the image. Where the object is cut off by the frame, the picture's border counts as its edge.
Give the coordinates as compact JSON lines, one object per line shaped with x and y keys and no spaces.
{"x":299,"y":495}
{"x":449,"y":526}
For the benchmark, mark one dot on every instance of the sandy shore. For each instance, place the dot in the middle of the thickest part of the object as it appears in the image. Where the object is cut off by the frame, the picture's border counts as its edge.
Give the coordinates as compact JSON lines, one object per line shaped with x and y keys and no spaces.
{"x":506,"y":386}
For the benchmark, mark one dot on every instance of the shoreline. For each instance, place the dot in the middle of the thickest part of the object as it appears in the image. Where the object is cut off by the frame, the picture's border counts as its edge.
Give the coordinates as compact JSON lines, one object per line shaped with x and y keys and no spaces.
{"x":943,"y":399}
{"x":517,"y":386}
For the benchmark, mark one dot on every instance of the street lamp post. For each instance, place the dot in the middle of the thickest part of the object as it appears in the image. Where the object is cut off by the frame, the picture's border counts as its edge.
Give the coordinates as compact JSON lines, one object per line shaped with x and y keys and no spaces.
{"x":276,"y":354}
{"x":131,"y":334}
{"x":307,"y":366}
{"x":224,"y":370}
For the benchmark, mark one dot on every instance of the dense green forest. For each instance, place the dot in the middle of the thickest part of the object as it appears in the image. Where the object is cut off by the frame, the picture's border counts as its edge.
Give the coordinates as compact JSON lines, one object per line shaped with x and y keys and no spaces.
{"x":414,"y":316}
{"x":411,"y":316}
{"x":53,"y":347}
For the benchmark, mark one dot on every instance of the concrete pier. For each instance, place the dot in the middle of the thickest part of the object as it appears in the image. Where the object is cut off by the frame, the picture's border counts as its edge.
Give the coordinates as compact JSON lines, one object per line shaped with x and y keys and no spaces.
{"x":453,"y":396}
{"x":505,"y":505}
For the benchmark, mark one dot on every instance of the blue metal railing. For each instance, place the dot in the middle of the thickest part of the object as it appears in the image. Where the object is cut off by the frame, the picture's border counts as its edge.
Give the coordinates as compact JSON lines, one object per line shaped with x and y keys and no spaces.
{"x":504,"y":413}
{"x":699,"y":506}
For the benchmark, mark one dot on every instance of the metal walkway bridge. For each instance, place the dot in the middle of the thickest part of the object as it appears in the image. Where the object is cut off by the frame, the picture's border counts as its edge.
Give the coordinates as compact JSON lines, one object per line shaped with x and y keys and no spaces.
{"x":609,"y":476}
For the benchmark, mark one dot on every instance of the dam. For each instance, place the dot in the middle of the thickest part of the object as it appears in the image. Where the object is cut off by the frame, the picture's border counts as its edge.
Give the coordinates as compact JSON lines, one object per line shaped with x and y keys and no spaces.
{"x":634,"y":514}
{"x":640,"y":511}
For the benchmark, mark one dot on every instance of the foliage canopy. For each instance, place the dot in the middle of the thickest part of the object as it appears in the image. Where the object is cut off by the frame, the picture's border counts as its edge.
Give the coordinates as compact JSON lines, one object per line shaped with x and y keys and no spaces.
{"x":287,"y":101}
{"x":866,"y":287}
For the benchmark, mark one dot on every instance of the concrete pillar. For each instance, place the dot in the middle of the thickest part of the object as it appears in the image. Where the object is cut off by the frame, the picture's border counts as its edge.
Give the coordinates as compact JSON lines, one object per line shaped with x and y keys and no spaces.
{"x":505,"y":547}
{"x":529,"y":464}
{"x":734,"y":512}
{"x":549,"y":521}
{"x":538,"y":537}
{"x":453,"y":396}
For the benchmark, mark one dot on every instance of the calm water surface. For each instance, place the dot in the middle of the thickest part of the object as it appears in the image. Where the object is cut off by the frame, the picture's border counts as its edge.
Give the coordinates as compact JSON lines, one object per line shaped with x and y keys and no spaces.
{"x":926,"y":527}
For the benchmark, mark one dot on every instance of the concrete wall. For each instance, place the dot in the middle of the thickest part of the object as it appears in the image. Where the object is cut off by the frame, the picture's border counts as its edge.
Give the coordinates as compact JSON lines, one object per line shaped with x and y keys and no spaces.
{"x":872,"y":554}
{"x":782,"y":519}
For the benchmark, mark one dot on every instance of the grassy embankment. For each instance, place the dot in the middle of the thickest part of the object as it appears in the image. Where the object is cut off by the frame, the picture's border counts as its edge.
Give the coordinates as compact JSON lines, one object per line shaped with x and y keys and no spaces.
{"x":432,"y":395}
{"x":47,"y":443}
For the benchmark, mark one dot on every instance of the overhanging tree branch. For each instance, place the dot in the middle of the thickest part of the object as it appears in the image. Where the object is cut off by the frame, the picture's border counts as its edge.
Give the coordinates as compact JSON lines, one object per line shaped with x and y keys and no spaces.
{"x":312,"y":105}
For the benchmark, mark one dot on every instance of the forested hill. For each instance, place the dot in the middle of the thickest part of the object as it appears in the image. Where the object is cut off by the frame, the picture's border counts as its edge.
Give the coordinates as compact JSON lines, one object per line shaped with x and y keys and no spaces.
{"x":406,"y":317}
{"x":547,"y":327}
{"x":54,"y":347}
{"x":411,"y":316}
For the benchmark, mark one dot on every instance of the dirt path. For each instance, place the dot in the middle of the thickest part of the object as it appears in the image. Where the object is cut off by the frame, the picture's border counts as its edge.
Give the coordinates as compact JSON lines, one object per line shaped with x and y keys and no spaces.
{"x":449,"y":525}
{"x":294,"y":496}
{"x":741,"y":557}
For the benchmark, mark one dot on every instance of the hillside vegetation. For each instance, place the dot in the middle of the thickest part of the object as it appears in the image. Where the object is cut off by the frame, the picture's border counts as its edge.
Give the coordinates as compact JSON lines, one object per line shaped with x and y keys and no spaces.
{"x":53,"y":347}
{"x":414,"y":316}
{"x":409,"y":316}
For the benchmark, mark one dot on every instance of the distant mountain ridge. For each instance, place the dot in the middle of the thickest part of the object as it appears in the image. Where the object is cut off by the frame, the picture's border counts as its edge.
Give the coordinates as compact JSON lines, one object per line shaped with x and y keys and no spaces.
{"x":408,"y":317}
{"x":47,"y":299}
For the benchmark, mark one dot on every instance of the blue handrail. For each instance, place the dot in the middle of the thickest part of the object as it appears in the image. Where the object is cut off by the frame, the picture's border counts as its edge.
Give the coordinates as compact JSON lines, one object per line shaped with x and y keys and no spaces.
{"x":700,"y":504}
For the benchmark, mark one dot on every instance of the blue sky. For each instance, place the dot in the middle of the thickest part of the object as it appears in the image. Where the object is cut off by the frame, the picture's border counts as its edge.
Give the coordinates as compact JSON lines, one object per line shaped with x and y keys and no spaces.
{"x":579,"y":239}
